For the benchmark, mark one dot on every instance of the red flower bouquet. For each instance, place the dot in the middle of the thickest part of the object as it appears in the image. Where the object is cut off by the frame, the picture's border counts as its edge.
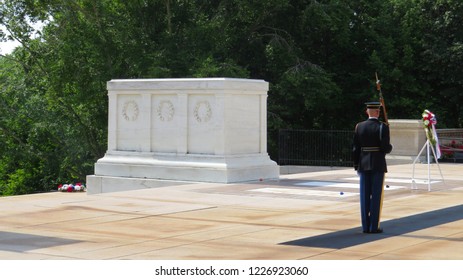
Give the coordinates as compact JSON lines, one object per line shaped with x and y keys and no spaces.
{"x":78,"y":187}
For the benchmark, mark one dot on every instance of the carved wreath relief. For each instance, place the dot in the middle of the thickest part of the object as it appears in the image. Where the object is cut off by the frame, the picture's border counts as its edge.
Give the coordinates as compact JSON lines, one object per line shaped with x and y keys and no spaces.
{"x":202,"y":111}
{"x":165,"y":111}
{"x":130,"y":110}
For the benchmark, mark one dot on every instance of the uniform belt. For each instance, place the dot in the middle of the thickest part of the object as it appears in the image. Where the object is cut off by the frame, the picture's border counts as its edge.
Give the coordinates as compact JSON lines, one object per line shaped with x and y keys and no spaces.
{"x":371,"y":149}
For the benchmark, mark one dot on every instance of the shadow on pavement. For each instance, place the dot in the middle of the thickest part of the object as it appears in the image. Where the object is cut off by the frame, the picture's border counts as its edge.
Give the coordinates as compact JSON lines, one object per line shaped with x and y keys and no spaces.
{"x":354,"y":236}
{"x":21,"y":242}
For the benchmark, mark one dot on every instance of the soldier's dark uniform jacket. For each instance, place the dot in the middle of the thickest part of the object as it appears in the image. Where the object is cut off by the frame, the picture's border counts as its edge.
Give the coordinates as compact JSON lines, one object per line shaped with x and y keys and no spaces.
{"x":371,"y":143}
{"x":370,"y":146}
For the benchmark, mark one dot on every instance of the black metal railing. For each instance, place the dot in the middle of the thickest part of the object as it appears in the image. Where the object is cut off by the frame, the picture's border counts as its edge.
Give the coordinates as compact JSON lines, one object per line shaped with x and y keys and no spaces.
{"x":315,"y":147}
{"x":334,"y":147}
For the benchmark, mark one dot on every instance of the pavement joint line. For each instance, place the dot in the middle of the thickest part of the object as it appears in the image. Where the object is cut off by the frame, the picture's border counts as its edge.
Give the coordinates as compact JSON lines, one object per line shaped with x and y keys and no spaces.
{"x":304,"y":192}
{"x":341,"y":185}
{"x":401,"y":180}
{"x":433,"y":238}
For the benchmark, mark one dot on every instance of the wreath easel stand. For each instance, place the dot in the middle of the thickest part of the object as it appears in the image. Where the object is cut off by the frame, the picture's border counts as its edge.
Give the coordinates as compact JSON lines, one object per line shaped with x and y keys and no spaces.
{"x":429,"y":120}
{"x":429,"y":147}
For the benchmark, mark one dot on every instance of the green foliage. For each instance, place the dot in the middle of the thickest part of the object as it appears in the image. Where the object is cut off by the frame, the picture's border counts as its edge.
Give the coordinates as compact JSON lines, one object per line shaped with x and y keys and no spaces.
{"x":310,"y":91}
{"x":320,"y":58}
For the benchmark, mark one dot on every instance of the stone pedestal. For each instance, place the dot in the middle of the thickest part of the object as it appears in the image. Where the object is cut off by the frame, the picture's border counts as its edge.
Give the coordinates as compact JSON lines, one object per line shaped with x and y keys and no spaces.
{"x":209,"y":130}
{"x":408,"y":137}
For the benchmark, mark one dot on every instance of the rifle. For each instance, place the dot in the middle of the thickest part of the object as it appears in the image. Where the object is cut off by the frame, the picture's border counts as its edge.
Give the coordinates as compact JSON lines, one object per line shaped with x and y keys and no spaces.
{"x":381,"y":99}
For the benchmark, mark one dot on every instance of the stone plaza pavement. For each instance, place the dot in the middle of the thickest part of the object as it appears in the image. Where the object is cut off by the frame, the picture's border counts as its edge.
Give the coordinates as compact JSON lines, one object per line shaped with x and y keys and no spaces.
{"x":312,"y":216}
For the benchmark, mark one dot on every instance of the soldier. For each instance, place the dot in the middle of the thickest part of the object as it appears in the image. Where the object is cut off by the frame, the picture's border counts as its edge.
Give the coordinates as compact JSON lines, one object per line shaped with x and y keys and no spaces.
{"x":371,"y":144}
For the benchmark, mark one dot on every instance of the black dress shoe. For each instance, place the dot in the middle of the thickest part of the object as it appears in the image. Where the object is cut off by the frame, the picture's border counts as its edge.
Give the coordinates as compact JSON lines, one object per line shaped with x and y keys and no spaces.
{"x":366,"y":231}
{"x":379,"y":230}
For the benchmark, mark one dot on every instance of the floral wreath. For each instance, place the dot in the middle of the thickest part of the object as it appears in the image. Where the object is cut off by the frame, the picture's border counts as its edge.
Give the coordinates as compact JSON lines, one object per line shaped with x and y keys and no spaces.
{"x":429,"y":122}
{"x":78,"y":187}
{"x":130,"y":110}
{"x":202,"y":111}
{"x":166,"y":110}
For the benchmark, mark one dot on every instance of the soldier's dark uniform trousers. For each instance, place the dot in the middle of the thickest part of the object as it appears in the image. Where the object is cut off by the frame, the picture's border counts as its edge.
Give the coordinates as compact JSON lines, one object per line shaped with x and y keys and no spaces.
{"x":371,"y":143}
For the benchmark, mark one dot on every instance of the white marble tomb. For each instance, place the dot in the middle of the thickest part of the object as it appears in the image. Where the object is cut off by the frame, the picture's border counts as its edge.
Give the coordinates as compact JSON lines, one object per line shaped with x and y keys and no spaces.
{"x":206,"y":129}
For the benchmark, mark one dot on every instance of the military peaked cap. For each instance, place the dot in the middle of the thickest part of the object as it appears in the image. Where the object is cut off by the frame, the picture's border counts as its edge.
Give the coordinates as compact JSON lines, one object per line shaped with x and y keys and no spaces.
{"x":373,"y":105}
